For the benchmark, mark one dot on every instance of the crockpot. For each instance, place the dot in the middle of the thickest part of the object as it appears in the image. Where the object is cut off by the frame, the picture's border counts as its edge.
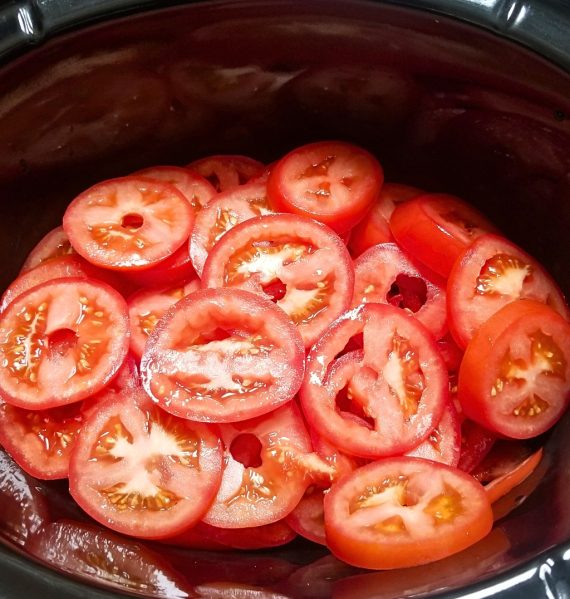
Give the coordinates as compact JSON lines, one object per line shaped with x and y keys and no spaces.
{"x":469,"y":97}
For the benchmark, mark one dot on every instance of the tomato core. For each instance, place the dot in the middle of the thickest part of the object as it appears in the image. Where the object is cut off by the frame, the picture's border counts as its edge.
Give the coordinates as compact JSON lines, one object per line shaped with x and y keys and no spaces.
{"x":246,"y":449}
{"x":132,"y":221}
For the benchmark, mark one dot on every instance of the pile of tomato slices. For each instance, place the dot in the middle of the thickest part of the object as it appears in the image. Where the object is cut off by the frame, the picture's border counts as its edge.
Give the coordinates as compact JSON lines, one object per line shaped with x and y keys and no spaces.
{"x":229,"y":354}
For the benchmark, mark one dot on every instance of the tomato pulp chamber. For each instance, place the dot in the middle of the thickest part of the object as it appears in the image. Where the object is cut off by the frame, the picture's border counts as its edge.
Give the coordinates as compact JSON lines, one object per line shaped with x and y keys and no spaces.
{"x":444,"y":105}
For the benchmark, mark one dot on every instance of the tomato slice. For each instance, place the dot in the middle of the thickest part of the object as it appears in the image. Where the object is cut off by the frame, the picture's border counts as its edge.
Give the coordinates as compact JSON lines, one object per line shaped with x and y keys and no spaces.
{"x":476,"y":443}
{"x":265,"y":536}
{"x":332,"y":182}
{"x":402,"y":512}
{"x":129,"y":223}
{"x":224,"y":212}
{"x":435,"y":228}
{"x":308,"y":518}
{"x":147,"y":306}
{"x":195,"y":188}
{"x":223,"y":355}
{"x":61,"y":342}
{"x":515,"y":376}
{"x":489,"y":274}
{"x":52,"y":245}
{"x":264,"y":474}
{"x":299,"y":263}
{"x":385,"y":275}
{"x":383,"y":400}
{"x":93,"y":553}
{"x":374,"y":228}
{"x":141,"y":471}
{"x":225,"y":171}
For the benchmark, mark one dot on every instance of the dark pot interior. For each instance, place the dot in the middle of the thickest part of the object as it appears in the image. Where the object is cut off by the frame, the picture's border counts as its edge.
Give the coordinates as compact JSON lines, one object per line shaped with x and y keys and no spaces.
{"x":445,"y":106}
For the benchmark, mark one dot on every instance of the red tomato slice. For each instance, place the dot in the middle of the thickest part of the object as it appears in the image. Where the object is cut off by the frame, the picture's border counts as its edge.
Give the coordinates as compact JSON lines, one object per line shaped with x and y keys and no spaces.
{"x":476,"y":443}
{"x":332,"y":182}
{"x":227,"y":171}
{"x":265,"y":536}
{"x":141,"y":471}
{"x":450,"y":352}
{"x":308,"y":518}
{"x":385,"y":275}
{"x":489,"y":274}
{"x":221,"y":356}
{"x":224,"y":212}
{"x":264,"y":474}
{"x":93,"y":553}
{"x":374,"y":228}
{"x":299,"y":263}
{"x":61,"y":342}
{"x":402,"y":512}
{"x":435,"y":228}
{"x":381,"y":401}
{"x":197,"y":190}
{"x":53,"y":245}
{"x":515,"y":376}
{"x":146,"y":308}
{"x":129,"y":223}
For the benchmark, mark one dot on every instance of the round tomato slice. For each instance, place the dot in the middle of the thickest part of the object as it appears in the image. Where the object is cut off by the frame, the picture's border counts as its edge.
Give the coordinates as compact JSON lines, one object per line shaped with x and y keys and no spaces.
{"x":61,"y":342}
{"x":515,"y":375}
{"x":264,"y":474}
{"x":299,"y":263}
{"x":374,"y":228}
{"x":435,"y":228}
{"x":129,"y":223}
{"x":53,"y":245}
{"x":489,"y":274}
{"x":222,"y":355}
{"x":402,"y":512}
{"x":146,"y":308}
{"x":197,"y":190}
{"x":385,"y":275}
{"x":141,"y":471}
{"x":308,"y":518}
{"x":383,"y":400}
{"x":332,"y":182}
{"x":225,"y":171}
{"x":224,"y":212}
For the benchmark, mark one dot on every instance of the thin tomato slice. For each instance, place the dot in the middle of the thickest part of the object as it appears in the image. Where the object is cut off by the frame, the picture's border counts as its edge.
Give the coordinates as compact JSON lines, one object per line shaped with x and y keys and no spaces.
{"x":222,"y":355}
{"x":264,"y":474}
{"x":332,"y":182}
{"x":385,"y":275}
{"x":129,"y":223}
{"x":141,"y":471}
{"x":515,"y":376}
{"x":295,"y":261}
{"x":402,"y":512}
{"x":225,"y":171}
{"x":308,"y":518}
{"x":489,"y":274}
{"x":61,"y":342}
{"x":52,"y":245}
{"x":476,"y":443}
{"x":435,"y":228}
{"x":383,"y":400}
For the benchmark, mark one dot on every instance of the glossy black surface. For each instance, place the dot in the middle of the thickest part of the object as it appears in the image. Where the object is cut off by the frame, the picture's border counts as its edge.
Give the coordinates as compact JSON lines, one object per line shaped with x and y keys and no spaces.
{"x":445,"y":106}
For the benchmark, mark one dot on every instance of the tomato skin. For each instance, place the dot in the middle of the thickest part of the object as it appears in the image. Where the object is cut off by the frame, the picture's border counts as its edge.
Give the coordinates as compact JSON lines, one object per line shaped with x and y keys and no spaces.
{"x":346,"y":203}
{"x":487,"y":275}
{"x":52,"y":245}
{"x":515,"y":375}
{"x":435,"y":228}
{"x":362,"y":544}
{"x":226,"y":171}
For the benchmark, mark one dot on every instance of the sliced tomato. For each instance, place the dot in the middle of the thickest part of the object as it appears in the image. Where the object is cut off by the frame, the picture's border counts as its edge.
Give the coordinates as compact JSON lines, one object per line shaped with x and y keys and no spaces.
{"x":195,"y":188}
{"x":435,"y":228}
{"x":515,"y":376}
{"x":385,"y":275}
{"x":224,"y":212}
{"x":147,"y":306}
{"x":383,"y":400}
{"x":308,"y":518}
{"x":61,"y":342}
{"x":52,"y":245}
{"x":222,"y":355}
{"x":129,"y":223}
{"x":402,"y":512}
{"x":265,"y":536}
{"x":299,"y":263}
{"x":93,"y":553}
{"x":489,"y":274}
{"x":374,"y":228}
{"x":332,"y":182}
{"x":141,"y":471}
{"x":451,"y":353}
{"x":476,"y":443}
{"x":264,"y":475}
{"x":225,"y":171}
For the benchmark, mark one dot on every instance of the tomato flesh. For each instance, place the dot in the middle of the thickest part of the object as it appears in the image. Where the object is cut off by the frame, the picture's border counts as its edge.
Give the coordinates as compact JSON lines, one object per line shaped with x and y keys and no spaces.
{"x":226,"y":171}
{"x":52,"y":245}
